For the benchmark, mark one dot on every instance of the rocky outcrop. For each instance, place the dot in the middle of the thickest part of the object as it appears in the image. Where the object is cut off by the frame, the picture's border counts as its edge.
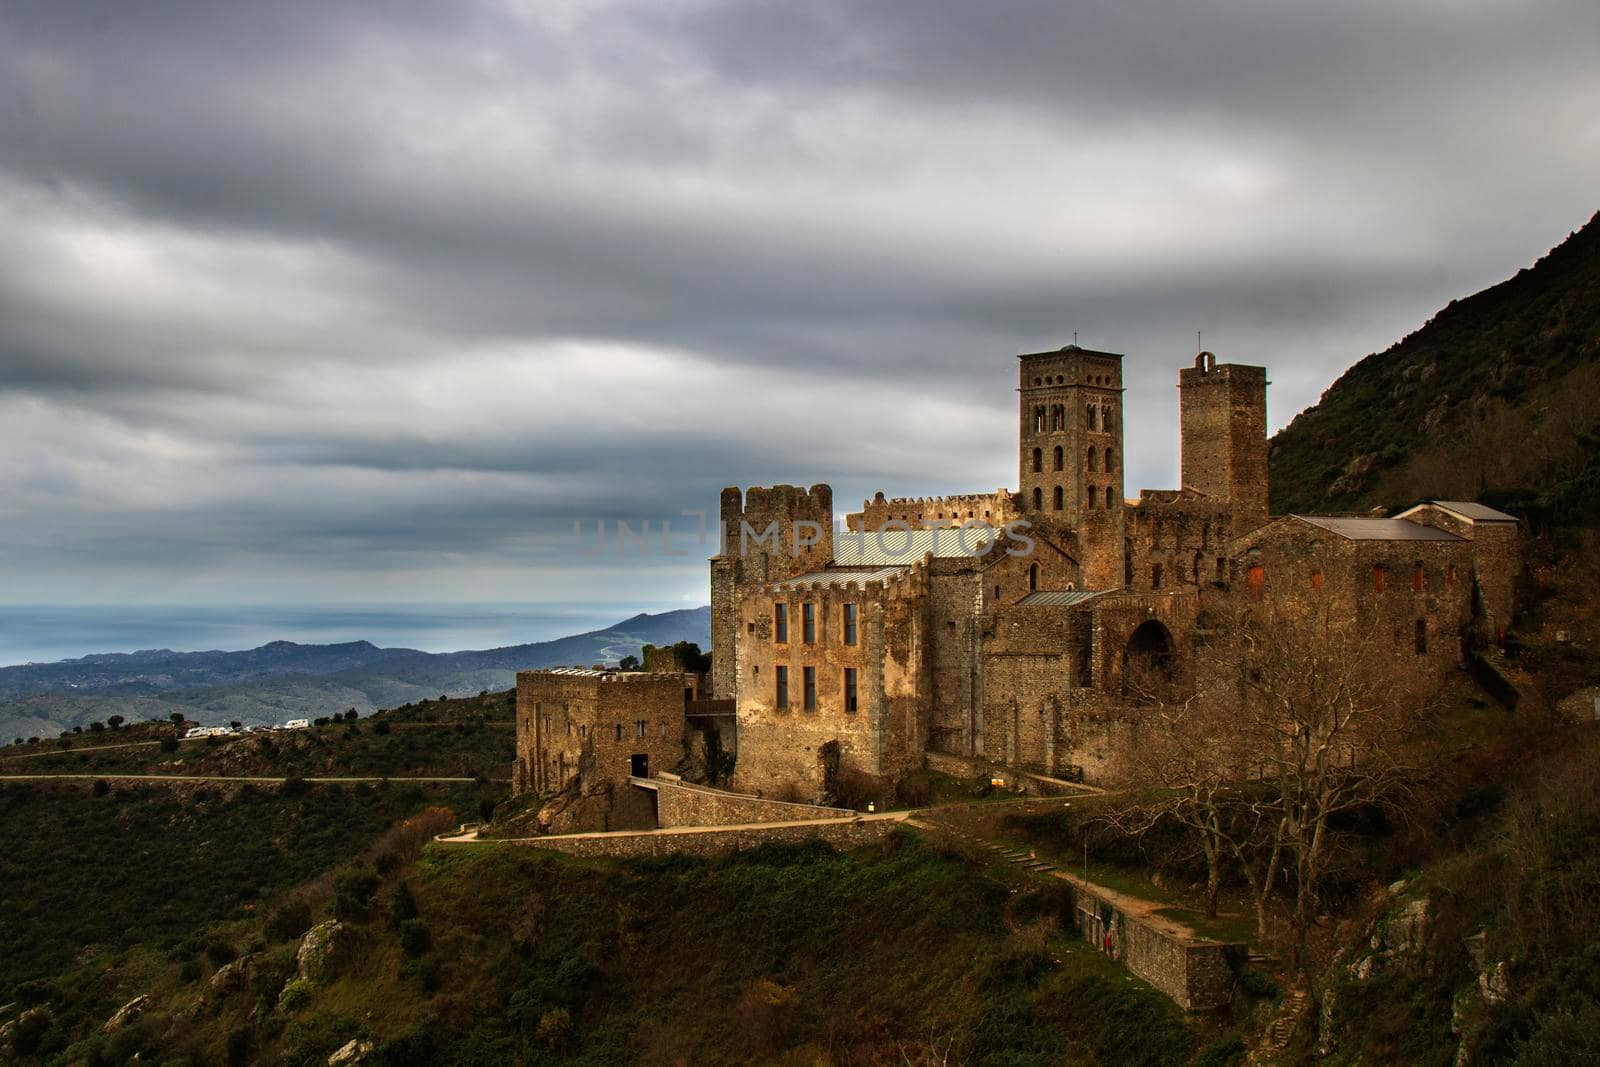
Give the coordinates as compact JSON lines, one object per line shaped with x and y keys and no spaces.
{"x":127,"y":1013}
{"x":354,"y":1051}
{"x":234,"y":976}
{"x":322,"y":951}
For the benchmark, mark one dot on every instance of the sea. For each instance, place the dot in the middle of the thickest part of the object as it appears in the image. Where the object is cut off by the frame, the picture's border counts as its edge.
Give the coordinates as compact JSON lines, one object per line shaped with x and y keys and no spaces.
{"x":31,"y":634}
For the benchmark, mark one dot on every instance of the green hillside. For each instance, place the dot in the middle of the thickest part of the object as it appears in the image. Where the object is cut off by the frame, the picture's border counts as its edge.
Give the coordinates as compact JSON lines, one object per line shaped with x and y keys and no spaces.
{"x":1496,"y":397}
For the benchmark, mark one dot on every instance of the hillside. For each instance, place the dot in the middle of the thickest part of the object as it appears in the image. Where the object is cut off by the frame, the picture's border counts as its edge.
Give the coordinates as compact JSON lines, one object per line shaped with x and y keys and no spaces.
{"x":283,"y":680}
{"x":1495,"y":397}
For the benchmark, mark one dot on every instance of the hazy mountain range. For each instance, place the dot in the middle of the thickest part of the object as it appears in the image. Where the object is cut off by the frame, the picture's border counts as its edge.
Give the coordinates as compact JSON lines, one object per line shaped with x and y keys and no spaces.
{"x":283,"y":680}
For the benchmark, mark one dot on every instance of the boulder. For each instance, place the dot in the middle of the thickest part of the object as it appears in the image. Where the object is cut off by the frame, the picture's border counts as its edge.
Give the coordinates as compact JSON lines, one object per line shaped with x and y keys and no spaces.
{"x":354,"y":1051}
{"x":322,"y":950}
{"x":234,"y":976}
{"x":128,"y":1012}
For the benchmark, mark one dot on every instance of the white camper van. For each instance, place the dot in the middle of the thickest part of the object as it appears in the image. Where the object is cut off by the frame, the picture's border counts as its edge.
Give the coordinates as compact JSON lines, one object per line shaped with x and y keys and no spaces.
{"x":297,"y":724}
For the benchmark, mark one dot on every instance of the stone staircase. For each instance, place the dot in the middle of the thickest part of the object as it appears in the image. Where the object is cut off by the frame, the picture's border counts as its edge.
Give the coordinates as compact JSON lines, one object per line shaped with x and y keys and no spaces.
{"x":1296,"y":1003}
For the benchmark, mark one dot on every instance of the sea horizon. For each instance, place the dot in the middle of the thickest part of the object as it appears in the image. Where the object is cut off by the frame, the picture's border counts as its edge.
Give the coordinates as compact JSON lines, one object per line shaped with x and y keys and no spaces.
{"x":50,"y":633}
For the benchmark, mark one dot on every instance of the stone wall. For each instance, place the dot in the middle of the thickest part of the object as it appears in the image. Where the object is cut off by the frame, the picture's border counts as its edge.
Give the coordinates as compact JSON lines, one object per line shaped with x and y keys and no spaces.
{"x":683,"y":804}
{"x":567,"y":719}
{"x":1196,"y":973}
{"x":718,"y":841}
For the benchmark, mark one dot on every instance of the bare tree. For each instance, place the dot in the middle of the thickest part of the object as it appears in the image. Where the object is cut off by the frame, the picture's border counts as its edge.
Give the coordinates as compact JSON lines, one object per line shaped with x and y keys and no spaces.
{"x":1331,"y":712}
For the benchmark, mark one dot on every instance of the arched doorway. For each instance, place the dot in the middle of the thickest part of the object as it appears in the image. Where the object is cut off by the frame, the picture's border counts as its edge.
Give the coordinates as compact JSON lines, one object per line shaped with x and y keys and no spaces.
{"x":1148,"y":660}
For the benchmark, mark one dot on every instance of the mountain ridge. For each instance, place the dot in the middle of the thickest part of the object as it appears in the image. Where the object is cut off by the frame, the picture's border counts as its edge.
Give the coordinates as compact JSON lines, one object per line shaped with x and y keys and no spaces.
{"x":285,"y":679}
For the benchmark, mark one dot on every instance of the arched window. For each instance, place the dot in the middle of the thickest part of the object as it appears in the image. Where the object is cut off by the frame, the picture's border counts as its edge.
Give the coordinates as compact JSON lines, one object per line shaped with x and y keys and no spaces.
{"x":1105,"y":419}
{"x":1061,"y":496}
{"x":1109,"y":497}
{"x":1091,"y":496}
{"x":1090,"y":415}
{"x":1038,"y":500}
{"x":1422,"y":637}
{"x":1416,"y":577}
{"x":1155,"y":576}
{"x":1091,"y":458}
{"x":1033,"y":577}
{"x":1058,"y":417}
{"x":1111,"y":460}
{"x":1038,"y":460}
{"x":1038,"y":419}
{"x":1060,"y":458}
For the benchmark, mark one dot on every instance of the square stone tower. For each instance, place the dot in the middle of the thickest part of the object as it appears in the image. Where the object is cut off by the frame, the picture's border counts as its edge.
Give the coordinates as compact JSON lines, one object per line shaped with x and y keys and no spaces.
{"x":1222,"y":411}
{"x":1070,"y":456}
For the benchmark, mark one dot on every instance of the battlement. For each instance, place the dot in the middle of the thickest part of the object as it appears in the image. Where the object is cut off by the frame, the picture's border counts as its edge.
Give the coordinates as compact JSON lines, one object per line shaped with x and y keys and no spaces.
{"x":1207,"y":370}
{"x":996,"y":509}
{"x":775,"y":500}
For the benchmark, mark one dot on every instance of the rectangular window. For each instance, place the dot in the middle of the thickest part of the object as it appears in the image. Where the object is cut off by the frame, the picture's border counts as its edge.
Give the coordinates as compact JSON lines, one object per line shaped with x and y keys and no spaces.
{"x":639,"y":728}
{"x":781,"y":682}
{"x":780,"y":623}
{"x":1380,"y":578}
{"x":1422,"y":637}
{"x":663,"y":729}
{"x":1417,"y":578}
{"x":1258,"y":580}
{"x":850,"y":690}
{"x":849,"y":624}
{"x":619,"y":731}
{"x":808,"y":623}
{"x":809,"y":674}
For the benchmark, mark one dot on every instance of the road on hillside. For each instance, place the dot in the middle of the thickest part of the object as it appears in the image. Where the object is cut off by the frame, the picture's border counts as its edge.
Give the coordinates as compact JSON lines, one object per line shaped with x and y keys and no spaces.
{"x":112,"y":775}
{"x":58,"y":751}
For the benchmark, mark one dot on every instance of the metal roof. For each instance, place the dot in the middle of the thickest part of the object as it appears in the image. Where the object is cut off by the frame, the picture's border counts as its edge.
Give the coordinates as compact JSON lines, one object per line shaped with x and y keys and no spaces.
{"x":1378,"y":529}
{"x":1476,"y":512}
{"x":896,"y":547}
{"x":841,"y":577}
{"x":1064,"y":598}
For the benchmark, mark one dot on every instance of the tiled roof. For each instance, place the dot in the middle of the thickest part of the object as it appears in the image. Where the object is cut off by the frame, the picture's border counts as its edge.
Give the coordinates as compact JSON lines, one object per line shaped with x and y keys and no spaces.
{"x":842,"y":577}
{"x":1476,"y":512}
{"x":1064,"y":598}
{"x":902,"y":548}
{"x":1378,"y":529}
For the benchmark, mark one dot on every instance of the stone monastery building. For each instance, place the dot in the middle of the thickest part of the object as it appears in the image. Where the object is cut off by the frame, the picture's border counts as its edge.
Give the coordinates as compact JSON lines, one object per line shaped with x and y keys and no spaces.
{"x":998,"y":628}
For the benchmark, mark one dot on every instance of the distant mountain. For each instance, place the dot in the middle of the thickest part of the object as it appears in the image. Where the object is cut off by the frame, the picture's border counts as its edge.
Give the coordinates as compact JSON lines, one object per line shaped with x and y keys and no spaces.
{"x":286,"y":680}
{"x":1496,"y":397}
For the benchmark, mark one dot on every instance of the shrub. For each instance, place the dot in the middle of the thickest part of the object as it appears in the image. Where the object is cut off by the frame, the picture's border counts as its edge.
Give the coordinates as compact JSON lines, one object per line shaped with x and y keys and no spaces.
{"x":169,"y":744}
{"x":764,"y":1015}
{"x":414,"y":937}
{"x":320,"y":721}
{"x":914,"y":789}
{"x":553,"y":1027}
{"x":96,"y":727}
{"x":402,"y":905}
{"x":290,"y":919}
{"x":240,"y":1041}
{"x":295,"y":994}
{"x":101,"y":787}
{"x":353,"y":891}
{"x":380,"y":727}
{"x":220,"y":952}
{"x":189,"y":972}
{"x":28,"y":1031}
{"x":294,"y":786}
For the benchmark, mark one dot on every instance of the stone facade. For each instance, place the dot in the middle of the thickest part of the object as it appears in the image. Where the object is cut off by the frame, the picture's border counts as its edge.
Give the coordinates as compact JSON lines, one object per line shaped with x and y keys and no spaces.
{"x":607,"y":724}
{"x":1013,"y":648}
{"x":680,"y":803}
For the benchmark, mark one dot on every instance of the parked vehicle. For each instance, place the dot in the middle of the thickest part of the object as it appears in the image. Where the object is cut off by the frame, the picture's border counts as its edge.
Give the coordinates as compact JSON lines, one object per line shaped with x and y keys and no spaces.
{"x":297,"y":724}
{"x":197,"y":731}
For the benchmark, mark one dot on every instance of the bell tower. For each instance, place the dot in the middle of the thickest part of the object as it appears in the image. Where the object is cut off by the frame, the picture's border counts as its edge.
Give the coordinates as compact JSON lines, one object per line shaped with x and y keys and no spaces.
{"x":1069,"y":454}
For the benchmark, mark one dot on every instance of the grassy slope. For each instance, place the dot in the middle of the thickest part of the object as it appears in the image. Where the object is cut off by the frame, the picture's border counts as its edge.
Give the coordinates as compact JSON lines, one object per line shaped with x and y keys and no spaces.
{"x":81,"y":874}
{"x":781,"y":955}
{"x":1510,"y":342}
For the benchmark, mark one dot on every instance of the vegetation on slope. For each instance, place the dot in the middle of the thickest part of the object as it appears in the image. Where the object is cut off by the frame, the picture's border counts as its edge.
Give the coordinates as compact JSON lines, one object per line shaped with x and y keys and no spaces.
{"x":1497,"y":393}
{"x":795,"y":955}
{"x":92,"y":870}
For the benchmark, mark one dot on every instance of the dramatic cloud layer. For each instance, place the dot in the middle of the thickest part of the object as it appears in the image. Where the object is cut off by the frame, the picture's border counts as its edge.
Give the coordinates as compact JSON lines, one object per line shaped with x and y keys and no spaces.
{"x":322,"y":301}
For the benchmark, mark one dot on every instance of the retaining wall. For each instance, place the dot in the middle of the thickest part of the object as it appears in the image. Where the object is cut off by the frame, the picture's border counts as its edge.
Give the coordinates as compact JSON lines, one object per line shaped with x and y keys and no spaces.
{"x":1196,"y":973}
{"x":717,"y":840}
{"x":683,"y":804}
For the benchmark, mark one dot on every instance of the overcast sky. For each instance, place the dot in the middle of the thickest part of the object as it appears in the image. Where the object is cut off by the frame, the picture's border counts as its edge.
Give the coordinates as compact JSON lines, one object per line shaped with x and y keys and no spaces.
{"x":336,"y":302}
